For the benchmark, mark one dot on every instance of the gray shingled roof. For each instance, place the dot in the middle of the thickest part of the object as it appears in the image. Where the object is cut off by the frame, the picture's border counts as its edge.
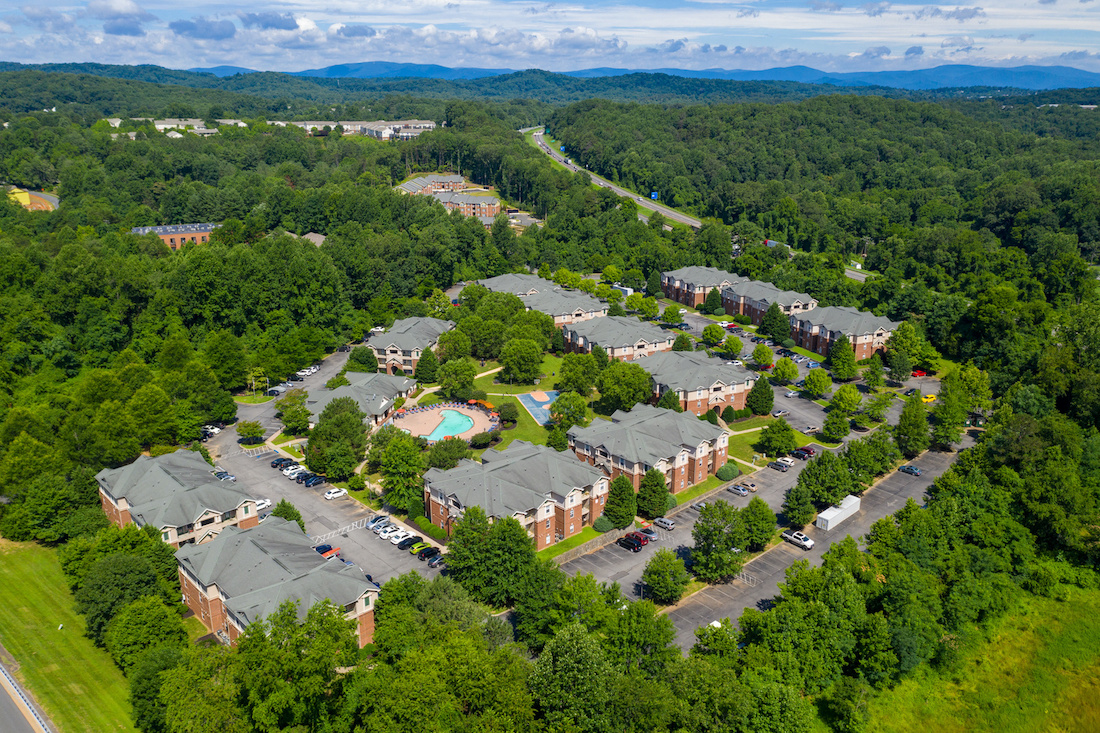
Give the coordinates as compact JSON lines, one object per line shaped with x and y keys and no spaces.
{"x":563,"y":302}
{"x":261,"y":567}
{"x":515,"y":480}
{"x":374,"y":393}
{"x":849,"y":321}
{"x":176,"y":229}
{"x":767,"y":293}
{"x":451,"y":197}
{"x":517,"y":284}
{"x":647,"y":434}
{"x":409,"y":334}
{"x":172,"y":490}
{"x":692,"y":370}
{"x":619,"y":331}
{"x":708,"y":277}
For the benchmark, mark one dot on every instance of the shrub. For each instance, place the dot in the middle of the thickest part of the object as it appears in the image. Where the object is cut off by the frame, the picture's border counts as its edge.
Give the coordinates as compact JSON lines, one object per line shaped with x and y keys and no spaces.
{"x":481,"y":440}
{"x":712,"y":417}
{"x":426,"y":526}
{"x":357,"y":482}
{"x":743,"y":320}
{"x":416,"y":507}
{"x":729,"y":414}
{"x":670,"y":503}
{"x":602,"y":524}
{"x":508,"y":412}
{"x":728,"y":472}
{"x":788,"y":344}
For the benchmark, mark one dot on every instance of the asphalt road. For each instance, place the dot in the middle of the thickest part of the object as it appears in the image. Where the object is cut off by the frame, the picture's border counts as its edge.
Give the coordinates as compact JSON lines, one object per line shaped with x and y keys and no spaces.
{"x":12,"y":719}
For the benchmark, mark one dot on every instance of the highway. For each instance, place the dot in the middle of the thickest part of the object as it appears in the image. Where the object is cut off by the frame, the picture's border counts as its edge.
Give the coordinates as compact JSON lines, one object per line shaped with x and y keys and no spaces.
{"x":15,"y":714}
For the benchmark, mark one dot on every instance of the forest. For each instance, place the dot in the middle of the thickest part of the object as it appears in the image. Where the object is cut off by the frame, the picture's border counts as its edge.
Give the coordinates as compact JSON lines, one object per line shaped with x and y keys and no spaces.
{"x":976,"y":230}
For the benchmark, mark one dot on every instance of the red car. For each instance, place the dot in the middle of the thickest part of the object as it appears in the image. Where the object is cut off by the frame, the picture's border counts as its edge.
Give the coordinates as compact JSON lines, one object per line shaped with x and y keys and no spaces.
{"x":639,"y":537}
{"x":919,"y":373}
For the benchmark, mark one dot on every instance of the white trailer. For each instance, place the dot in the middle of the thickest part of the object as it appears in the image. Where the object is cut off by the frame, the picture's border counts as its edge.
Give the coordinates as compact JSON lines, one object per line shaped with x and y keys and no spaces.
{"x":834,"y":515}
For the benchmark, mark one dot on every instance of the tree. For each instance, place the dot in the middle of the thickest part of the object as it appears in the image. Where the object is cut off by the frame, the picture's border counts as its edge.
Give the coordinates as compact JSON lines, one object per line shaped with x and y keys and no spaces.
{"x":775,"y":324}
{"x":759,"y":522}
{"x":521,"y":360}
{"x":665,"y":577}
{"x":732,"y":345}
{"x":798,"y":507}
{"x":508,"y":412}
{"x":401,"y":467}
{"x":652,"y":494}
{"x":250,"y":430}
{"x":145,"y":682}
{"x":762,"y":355}
{"x":569,"y":682}
{"x":673,"y":314}
{"x":623,"y":385}
{"x":569,"y":409}
{"x":713,"y":334}
{"x":712,"y":304}
{"x":622,"y":504}
{"x":911,"y":432}
{"x":509,"y":552}
{"x":785,"y":371}
{"x":466,"y":558}
{"x":842,"y":359}
{"x":362,"y":359}
{"x":154,"y":418}
{"x":289,"y":512}
{"x":836,"y":426}
{"x":873,"y":374}
{"x":293,"y":412}
{"x":452,"y":345}
{"x":427,"y":367}
{"x":760,"y":399}
{"x":578,"y":374}
{"x":719,"y":535}
{"x":144,"y":624}
{"x":558,"y":440}
{"x":650,"y":308}
{"x":457,"y":377}
{"x":633,"y":302}
{"x":340,"y":461}
{"x":447,"y":453}
{"x":683,"y":342}
{"x":901,"y":366}
{"x":906,"y":339}
{"x":950,"y":411}
{"x":599,"y":357}
{"x":111,"y":584}
{"x":818,"y":382}
{"x":879,"y":406}
{"x":777,"y":439}
{"x":225,"y":354}
{"x":975,"y":386}
{"x":201,"y":694}
{"x":670,"y":400}
{"x":846,"y":399}
{"x":653,"y":284}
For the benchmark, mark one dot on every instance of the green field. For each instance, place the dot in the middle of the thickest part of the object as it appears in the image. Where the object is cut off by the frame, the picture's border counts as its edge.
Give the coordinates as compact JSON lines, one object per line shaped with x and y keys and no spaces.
{"x":551,"y":365}
{"x":576,"y":540}
{"x":526,"y":428}
{"x":76,"y":683}
{"x":1040,"y":671}
{"x":252,"y":399}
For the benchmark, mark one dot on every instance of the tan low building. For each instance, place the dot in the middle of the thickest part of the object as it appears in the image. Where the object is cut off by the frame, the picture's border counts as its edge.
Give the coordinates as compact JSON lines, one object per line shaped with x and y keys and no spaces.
{"x":176,"y":493}
{"x":551,"y":494}
{"x":700,"y":382}
{"x":564,"y":306}
{"x":684,"y":448}
{"x":246,"y":574}
{"x":623,"y":337}
{"x":375,"y":394}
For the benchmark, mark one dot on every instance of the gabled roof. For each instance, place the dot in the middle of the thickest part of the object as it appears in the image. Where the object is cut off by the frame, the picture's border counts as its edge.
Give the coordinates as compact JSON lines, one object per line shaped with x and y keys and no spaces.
{"x":374,"y":393}
{"x":618,"y":331}
{"x":707,"y":277}
{"x":848,"y":321}
{"x":515,"y":480}
{"x":172,"y":490}
{"x":410,"y":334}
{"x":261,"y":567}
{"x":451,"y":197}
{"x":647,"y":434}
{"x":564,"y":302}
{"x":693,"y":370}
{"x":518,"y":284}
{"x":763,"y":292}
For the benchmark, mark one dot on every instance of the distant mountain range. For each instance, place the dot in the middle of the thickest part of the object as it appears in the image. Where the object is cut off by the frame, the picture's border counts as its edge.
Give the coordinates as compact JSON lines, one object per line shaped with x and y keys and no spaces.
{"x":939,"y":77}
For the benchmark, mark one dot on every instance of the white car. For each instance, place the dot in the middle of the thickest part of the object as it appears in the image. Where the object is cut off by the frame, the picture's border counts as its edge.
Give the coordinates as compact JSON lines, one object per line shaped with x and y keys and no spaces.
{"x":292,"y":468}
{"x":212,"y":429}
{"x":785,"y":460}
{"x":313,"y":370}
{"x":734,"y":363}
{"x":381,"y":526}
{"x":302,"y":373}
{"x":335,"y":493}
{"x":390,"y":531}
{"x":403,"y":534}
{"x":262,"y":504}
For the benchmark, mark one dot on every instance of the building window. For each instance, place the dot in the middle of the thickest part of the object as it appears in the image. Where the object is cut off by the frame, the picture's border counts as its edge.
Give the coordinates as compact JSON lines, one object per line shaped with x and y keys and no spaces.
{"x":172,"y":241}
{"x":571,"y":514}
{"x":548,"y":524}
{"x":246,"y":510}
{"x":164,"y":536}
{"x":570,"y":528}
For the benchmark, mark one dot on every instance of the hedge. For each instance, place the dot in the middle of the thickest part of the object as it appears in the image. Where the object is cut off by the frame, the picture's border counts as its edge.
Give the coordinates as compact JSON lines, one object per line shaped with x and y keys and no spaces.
{"x":602,"y":524}
{"x":430,"y":529}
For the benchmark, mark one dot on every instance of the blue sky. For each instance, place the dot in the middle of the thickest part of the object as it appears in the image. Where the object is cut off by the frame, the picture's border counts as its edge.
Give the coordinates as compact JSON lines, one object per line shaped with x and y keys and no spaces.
{"x":833,"y":35}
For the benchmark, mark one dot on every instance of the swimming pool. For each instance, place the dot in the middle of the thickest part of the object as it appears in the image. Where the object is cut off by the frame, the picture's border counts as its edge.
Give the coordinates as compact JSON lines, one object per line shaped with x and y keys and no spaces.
{"x":454,"y":422}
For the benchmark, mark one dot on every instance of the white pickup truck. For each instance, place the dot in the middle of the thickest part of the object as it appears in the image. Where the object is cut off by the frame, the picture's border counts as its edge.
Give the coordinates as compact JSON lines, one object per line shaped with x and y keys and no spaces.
{"x":797,"y":538}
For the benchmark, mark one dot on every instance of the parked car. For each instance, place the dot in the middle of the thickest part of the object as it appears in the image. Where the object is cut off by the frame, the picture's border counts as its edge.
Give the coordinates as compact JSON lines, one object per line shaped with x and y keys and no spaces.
{"x":376,"y":520}
{"x":639,"y":538}
{"x":911,"y":470}
{"x":665,"y":523}
{"x":785,"y":460}
{"x":378,"y":528}
{"x":792,"y":393}
{"x":398,"y":537}
{"x":335,"y":493}
{"x":797,"y":538}
{"x":735,"y":362}
{"x":294,"y":378}
{"x":224,"y":476}
{"x":649,"y":533}
{"x":390,"y":531}
{"x":293,"y":475}
{"x":409,"y":542}
{"x":781,"y":413}
{"x":629,"y":544}
{"x":317,"y":480}
{"x":699,"y":506}
{"x":800,"y":383}
{"x":928,"y":398}
{"x":416,"y":547}
{"x":303,"y":373}
{"x":801,"y":454}
{"x":427,"y":553}
{"x":437,"y":561}
{"x":910,"y":392}
{"x":738,"y":489}
{"x":262,"y":504}
{"x":282,"y":462}
{"x":776,"y":465}
{"x":809,"y":449}
{"x":328,"y":551}
{"x":814,"y":365}
{"x":811,"y":429}
{"x":213,"y":429}
{"x":919,"y":373}
{"x":750,"y":485}
{"x":304,"y":476}
{"x":291,"y":468}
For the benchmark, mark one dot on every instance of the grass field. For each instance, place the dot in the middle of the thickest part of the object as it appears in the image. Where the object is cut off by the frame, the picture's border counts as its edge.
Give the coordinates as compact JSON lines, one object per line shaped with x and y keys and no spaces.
{"x":751,"y":423}
{"x":252,"y":399}
{"x":713,"y":482}
{"x":1039,"y":672}
{"x":526,"y":428}
{"x":576,"y":540}
{"x":75,"y":682}
{"x":551,"y":365}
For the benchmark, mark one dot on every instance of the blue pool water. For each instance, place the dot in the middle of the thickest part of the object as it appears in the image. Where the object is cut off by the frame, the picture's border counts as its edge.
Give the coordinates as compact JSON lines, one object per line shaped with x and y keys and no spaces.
{"x":454,"y":422}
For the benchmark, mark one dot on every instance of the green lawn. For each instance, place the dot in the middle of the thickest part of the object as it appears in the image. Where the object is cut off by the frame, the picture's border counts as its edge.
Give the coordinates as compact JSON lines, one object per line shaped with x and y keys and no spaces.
{"x":576,"y":540}
{"x":751,"y":423}
{"x":551,"y":365}
{"x":526,"y":428}
{"x":195,"y":629}
{"x":713,"y":482}
{"x":1039,"y":671}
{"x":282,"y":438}
{"x":252,"y":399}
{"x":429,"y":399}
{"x":75,"y":682}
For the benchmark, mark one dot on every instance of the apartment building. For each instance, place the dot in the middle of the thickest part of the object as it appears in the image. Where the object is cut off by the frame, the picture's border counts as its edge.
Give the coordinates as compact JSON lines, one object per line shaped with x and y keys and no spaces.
{"x":752,"y":298}
{"x":431,"y":184}
{"x":399,"y":348}
{"x":622,"y":337}
{"x":564,"y":306}
{"x":678,"y":444}
{"x":818,"y":329}
{"x":246,"y":574}
{"x":177,"y":235}
{"x":700,"y":382}
{"x":177,"y":494}
{"x":395,"y":130}
{"x":551,"y":494}
{"x":376,"y":394}
{"x":690,"y":285}
{"x":469,"y":205}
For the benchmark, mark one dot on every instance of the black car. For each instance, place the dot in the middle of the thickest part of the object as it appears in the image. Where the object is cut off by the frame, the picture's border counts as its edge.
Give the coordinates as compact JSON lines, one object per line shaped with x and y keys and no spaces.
{"x":250,"y":441}
{"x":910,"y":392}
{"x":783,"y":467}
{"x":629,"y":544}
{"x":428,"y":553}
{"x":281,"y":462}
{"x":314,"y":481}
{"x":304,"y":476}
{"x":409,"y":542}
{"x":295,"y":378}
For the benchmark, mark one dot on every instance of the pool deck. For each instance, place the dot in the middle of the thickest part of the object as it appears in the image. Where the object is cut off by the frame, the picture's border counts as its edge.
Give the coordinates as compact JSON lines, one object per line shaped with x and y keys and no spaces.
{"x":424,"y":420}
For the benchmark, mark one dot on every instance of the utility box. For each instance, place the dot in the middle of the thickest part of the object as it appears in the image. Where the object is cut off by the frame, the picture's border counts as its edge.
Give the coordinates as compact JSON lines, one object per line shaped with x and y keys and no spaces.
{"x":834,"y":515}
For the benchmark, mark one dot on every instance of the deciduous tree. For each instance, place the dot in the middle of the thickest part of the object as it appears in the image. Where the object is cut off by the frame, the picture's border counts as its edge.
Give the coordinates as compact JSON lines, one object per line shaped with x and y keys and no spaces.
{"x":777,"y":439}
{"x":578,"y":374}
{"x":720,"y":536}
{"x":569,"y":409}
{"x":401,"y":467}
{"x":683,"y":342}
{"x":521,"y":360}
{"x":911,"y":433}
{"x":427,"y":367}
{"x":785,"y":371}
{"x":818,"y":382}
{"x":665,"y":577}
{"x":760,"y":399}
{"x":141,"y":625}
{"x":762,"y":355}
{"x":623,"y":385}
